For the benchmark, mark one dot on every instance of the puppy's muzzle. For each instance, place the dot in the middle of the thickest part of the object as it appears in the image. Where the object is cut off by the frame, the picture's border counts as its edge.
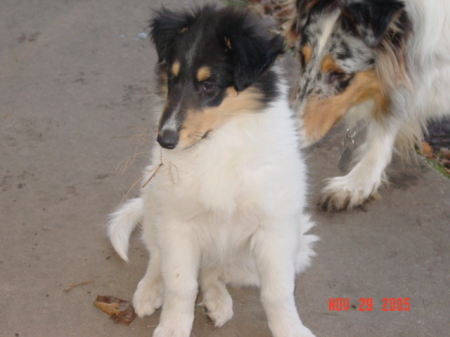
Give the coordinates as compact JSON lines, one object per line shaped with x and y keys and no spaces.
{"x":168,"y":139}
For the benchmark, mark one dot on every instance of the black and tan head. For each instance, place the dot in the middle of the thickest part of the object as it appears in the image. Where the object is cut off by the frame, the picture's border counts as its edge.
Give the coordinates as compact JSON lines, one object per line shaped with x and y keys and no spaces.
{"x":351,"y":52}
{"x":213,"y":64}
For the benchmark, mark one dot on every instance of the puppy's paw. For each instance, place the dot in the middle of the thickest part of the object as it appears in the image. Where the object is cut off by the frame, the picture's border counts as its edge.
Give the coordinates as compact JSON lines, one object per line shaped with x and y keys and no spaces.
{"x":298,"y":331}
{"x":219,"y":309}
{"x":171,"y":331}
{"x":303,"y":332}
{"x":148,"y":297}
{"x":347,"y":192}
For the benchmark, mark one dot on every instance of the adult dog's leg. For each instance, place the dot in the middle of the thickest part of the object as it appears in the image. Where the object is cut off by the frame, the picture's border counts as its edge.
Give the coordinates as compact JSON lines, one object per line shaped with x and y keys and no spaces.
{"x":366,"y":177}
{"x":179,"y":265}
{"x":216,"y":299}
{"x":275,"y":250}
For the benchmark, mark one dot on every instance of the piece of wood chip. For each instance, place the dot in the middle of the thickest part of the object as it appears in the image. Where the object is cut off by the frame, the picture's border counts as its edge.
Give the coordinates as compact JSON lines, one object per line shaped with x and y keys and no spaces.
{"x":121,"y":311}
{"x":69,"y":288}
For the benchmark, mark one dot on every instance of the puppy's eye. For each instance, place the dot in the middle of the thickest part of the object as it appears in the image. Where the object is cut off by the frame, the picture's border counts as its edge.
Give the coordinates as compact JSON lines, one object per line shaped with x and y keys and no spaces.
{"x":170,"y":79}
{"x":208,"y":87}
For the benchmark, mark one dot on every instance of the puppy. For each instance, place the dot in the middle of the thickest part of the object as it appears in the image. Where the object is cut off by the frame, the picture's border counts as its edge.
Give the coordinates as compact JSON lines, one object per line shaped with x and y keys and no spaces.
{"x":385,"y":61}
{"x":223,"y":201}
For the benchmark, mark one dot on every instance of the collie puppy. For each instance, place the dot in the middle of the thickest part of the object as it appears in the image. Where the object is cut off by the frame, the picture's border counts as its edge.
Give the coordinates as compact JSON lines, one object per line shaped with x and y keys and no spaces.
{"x":223,"y":201}
{"x":384,"y":61}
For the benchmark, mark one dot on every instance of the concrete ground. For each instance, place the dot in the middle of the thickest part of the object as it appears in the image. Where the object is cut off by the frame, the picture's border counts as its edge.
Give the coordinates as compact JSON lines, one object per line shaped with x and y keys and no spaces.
{"x":75,"y":93}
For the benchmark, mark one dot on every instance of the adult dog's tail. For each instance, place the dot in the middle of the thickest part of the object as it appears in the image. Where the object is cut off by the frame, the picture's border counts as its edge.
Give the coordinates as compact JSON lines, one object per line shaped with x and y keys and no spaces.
{"x":122,"y":222}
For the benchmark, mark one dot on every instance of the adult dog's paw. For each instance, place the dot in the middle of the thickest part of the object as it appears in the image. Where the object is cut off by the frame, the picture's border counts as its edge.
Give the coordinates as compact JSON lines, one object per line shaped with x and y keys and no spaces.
{"x":347,"y":192}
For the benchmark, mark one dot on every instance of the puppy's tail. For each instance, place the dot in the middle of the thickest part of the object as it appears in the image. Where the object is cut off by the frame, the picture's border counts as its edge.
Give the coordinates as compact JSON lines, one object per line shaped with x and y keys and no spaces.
{"x":305,"y":249}
{"x":122,"y":222}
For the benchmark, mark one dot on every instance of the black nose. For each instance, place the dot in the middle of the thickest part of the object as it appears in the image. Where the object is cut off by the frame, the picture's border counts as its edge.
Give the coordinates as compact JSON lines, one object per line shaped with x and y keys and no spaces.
{"x":168,"y":139}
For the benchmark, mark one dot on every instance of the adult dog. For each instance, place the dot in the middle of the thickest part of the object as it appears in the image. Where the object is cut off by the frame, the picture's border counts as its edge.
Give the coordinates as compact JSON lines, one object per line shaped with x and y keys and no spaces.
{"x":223,"y":201}
{"x":386,"y":61}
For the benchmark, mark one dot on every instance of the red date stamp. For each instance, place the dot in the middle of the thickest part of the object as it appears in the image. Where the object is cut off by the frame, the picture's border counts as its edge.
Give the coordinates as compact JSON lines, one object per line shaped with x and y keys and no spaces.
{"x":367,"y":304}
{"x":396,"y":304}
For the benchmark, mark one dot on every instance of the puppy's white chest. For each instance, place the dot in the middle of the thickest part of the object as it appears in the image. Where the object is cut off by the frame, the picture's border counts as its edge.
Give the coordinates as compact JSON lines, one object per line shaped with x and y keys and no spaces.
{"x":217,"y":187}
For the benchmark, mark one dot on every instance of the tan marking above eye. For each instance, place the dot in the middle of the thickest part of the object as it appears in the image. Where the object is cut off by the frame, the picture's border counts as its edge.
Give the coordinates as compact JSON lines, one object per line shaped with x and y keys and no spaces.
{"x":203,"y":73}
{"x":307,"y":52}
{"x":329,"y":64}
{"x":175,"y":68}
{"x":163,"y":86}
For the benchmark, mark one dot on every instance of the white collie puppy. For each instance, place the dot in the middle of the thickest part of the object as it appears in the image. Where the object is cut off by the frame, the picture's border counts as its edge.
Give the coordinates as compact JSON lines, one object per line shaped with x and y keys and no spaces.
{"x":223,"y":201}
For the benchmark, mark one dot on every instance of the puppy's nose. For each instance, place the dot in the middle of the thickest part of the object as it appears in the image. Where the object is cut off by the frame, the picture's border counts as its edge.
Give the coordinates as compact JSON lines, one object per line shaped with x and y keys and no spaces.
{"x":168,"y":139}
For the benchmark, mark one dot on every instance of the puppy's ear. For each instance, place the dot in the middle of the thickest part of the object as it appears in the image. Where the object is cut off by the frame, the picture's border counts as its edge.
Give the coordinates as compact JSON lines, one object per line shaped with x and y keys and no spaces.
{"x":165,"y":26}
{"x":252,"y":56}
{"x":253,"y":49}
{"x":372,"y":18}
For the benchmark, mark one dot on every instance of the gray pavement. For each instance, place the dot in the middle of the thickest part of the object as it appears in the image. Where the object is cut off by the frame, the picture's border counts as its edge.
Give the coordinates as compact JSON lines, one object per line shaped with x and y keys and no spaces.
{"x":75,"y":93}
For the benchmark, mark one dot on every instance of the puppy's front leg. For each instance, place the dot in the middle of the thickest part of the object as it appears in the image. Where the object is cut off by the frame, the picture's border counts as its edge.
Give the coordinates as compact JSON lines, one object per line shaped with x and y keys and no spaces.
{"x":179,"y":265}
{"x":274,"y":250}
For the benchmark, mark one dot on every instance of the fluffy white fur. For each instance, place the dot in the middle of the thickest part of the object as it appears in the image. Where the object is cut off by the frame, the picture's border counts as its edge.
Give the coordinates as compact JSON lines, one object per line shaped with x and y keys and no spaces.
{"x":229,"y":210}
{"x":427,"y":58}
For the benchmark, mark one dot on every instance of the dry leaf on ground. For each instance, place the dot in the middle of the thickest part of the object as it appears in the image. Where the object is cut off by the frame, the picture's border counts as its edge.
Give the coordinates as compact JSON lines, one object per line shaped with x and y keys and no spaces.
{"x":427,"y":150}
{"x":121,"y":311}
{"x":444,"y":153}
